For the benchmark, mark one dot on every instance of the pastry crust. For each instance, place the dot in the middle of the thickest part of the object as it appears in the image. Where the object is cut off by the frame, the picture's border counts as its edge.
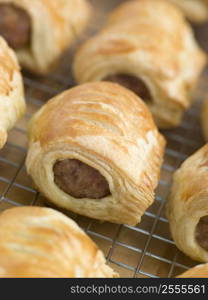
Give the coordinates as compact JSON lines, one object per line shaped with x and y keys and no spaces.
{"x":200,"y":271}
{"x":188,"y":204}
{"x":108,"y":128}
{"x":55,"y":25}
{"x":204,"y":119}
{"x":195,"y":10}
{"x":130,"y":44}
{"x":41,"y":242}
{"x":12,"y":103}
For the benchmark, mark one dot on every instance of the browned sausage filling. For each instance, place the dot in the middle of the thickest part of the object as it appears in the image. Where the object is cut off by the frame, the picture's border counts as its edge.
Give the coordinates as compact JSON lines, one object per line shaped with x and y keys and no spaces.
{"x":133,"y":83}
{"x":15,"y":25}
{"x":201,"y":34}
{"x":80,"y":180}
{"x":202,"y":233}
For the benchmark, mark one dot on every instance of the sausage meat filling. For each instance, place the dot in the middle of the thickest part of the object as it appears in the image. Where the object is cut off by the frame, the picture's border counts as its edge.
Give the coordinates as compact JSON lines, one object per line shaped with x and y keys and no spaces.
{"x":200,"y":31}
{"x":201,"y":233}
{"x":80,"y":180}
{"x":15,"y":25}
{"x":133,"y":83}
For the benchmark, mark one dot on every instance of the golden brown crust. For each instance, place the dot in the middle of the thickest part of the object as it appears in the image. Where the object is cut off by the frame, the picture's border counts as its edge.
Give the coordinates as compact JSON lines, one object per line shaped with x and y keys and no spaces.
{"x":12,"y":104}
{"x":204,"y":119}
{"x":130,"y":44}
{"x":188,"y":203}
{"x":55,"y":25}
{"x":195,"y":10}
{"x":199,"y":271}
{"x":109,"y":128}
{"x":41,"y":242}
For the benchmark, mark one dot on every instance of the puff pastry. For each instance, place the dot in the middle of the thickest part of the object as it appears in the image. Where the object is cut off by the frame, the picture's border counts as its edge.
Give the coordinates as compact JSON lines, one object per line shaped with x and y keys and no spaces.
{"x":129,"y":51}
{"x":194,"y":10}
{"x":41,"y":242}
{"x":12,"y":103}
{"x":95,"y":150}
{"x":204,"y":119}
{"x":41,"y":30}
{"x":200,"y":271}
{"x":187,"y":206}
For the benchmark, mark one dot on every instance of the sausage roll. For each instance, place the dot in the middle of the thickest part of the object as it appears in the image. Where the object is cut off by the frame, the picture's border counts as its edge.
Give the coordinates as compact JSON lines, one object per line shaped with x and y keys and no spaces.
{"x":204,"y":119}
{"x":41,"y":30}
{"x":188,"y":208}
{"x":12,"y":103}
{"x":95,"y":150}
{"x":129,"y":51}
{"x":200,"y":271}
{"x":194,"y":10}
{"x":41,"y":242}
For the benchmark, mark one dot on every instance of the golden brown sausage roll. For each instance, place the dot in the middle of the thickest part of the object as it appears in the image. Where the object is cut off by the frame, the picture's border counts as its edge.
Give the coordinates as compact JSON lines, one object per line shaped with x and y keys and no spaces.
{"x":188,"y":207}
{"x":194,"y":10}
{"x":199,"y":271}
{"x":41,"y":30}
{"x":95,"y":150}
{"x":204,"y":119}
{"x":162,"y":71}
{"x":41,"y":242}
{"x":12,"y":103}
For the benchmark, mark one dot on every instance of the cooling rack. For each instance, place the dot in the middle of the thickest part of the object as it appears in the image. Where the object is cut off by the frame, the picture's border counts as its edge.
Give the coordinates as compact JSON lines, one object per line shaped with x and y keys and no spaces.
{"x":145,"y":250}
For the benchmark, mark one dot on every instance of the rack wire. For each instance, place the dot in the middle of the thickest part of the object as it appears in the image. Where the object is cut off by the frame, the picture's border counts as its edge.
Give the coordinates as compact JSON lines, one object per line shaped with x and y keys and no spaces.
{"x":145,"y":250}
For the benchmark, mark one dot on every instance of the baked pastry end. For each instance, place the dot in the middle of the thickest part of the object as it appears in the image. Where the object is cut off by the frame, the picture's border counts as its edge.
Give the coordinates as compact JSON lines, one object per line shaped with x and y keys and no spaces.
{"x":41,"y":242}
{"x":199,"y":271}
{"x":187,"y":208}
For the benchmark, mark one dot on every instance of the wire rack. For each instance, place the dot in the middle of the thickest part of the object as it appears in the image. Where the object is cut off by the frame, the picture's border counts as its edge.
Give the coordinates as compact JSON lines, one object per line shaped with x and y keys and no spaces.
{"x":145,"y":250}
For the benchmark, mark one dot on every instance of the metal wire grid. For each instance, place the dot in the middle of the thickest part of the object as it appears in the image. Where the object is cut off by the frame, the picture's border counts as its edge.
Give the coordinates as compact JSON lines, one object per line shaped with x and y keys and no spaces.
{"x":145,"y":250}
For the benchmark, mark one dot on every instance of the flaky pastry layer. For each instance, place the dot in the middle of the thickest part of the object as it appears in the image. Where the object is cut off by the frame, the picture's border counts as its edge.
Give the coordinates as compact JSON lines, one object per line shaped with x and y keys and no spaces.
{"x":195,"y":10}
{"x":199,"y":271}
{"x":188,"y":203}
{"x":12,"y":103}
{"x":41,"y":242}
